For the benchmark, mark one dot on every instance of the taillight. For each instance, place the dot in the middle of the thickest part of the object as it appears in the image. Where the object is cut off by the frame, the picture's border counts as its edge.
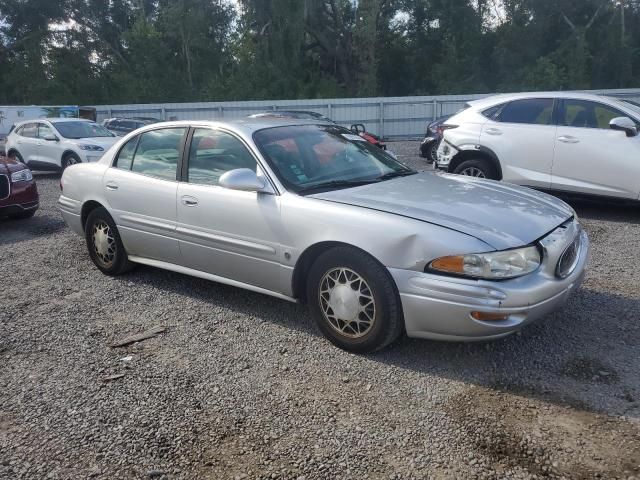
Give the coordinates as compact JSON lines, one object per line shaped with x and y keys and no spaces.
{"x":442,"y":128}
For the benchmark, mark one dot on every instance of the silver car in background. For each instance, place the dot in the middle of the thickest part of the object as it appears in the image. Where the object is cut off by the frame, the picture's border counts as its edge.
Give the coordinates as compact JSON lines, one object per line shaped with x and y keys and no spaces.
{"x":309,"y":212}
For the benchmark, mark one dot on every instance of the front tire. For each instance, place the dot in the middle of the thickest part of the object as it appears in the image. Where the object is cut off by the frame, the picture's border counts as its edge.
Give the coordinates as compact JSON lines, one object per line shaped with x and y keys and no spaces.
{"x":478,"y":168}
{"x":16,"y":156}
{"x":353,"y":300}
{"x":23,"y":215}
{"x":70,"y":159}
{"x":104,"y":244}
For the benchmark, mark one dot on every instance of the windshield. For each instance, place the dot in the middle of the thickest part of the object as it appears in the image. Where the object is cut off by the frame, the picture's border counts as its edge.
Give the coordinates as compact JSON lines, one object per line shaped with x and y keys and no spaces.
{"x":309,"y":158}
{"x":81,"y":130}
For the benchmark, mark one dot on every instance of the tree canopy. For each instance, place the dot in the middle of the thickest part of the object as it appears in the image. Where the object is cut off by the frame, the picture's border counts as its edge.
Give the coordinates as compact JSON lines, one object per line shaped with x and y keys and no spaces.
{"x":130,"y":51}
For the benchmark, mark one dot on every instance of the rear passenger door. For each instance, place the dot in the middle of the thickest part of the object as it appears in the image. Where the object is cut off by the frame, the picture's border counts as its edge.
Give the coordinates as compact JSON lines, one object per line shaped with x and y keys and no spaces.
{"x":141,"y":190}
{"x":27,"y":142}
{"x":590,"y":157}
{"x":522,"y":134}
{"x":229,"y":233}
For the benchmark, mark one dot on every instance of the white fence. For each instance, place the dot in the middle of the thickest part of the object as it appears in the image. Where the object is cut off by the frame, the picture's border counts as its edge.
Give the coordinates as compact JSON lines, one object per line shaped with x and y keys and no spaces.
{"x":389,"y":117}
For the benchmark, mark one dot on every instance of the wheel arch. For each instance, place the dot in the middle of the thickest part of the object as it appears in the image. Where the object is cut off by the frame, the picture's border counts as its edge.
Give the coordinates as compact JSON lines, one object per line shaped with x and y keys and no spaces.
{"x":309,"y":256}
{"x":88,"y":207}
{"x":483,"y":153}
{"x":68,"y":151}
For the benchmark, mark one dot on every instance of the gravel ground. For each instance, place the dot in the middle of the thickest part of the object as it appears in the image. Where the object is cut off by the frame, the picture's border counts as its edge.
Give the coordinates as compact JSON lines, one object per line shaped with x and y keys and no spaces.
{"x":243,"y":386}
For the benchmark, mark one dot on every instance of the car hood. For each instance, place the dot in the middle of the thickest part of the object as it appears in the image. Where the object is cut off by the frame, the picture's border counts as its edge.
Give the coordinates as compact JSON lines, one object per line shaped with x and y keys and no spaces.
{"x":500,"y":214}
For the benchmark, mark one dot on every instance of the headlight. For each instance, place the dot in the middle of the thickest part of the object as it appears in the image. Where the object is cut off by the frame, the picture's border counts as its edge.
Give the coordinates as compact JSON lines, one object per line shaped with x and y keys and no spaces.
{"x":492,"y":265}
{"x":24,"y":175}
{"x":91,"y":148}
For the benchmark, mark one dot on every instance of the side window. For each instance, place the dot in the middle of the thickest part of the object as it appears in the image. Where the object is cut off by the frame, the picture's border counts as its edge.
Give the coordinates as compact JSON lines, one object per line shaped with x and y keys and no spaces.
{"x":44,"y":130}
{"x":213,"y":153}
{"x":126,"y":153}
{"x":536,"y":111}
{"x":30,"y":130}
{"x":493,"y":113}
{"x":157,"y":153}
{"x":586,"y":114}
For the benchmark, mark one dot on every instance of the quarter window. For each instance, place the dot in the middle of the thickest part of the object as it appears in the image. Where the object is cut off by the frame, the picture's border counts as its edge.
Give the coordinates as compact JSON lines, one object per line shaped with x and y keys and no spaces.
{"x":213,"y":153}
{"x":158,"y":152}
{"x":535,"y":111}
{"x":586,"y":114}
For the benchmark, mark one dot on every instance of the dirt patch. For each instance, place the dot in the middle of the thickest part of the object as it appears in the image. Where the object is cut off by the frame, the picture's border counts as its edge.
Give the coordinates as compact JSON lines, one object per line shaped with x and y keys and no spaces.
{"x":588,"y":369}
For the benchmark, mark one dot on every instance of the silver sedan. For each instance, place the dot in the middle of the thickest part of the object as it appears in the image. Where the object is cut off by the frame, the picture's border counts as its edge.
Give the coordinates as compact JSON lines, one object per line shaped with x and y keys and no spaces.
{"x":309,"y":212}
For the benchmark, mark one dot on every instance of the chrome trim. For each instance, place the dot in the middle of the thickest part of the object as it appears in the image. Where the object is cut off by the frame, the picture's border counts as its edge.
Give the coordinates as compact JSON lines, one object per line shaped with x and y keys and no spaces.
{"x":226,"y":240}
{"x":209,"y":276}
{"x":148,"y":223}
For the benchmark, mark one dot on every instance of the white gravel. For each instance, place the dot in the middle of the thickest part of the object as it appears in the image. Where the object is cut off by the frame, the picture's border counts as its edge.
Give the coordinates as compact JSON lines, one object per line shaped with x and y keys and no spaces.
{"x":243,"y":386}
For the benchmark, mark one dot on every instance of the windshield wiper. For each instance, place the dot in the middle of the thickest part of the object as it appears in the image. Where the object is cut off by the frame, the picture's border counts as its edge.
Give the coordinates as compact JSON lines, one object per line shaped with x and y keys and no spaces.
{"x":390,"y":175}
{"x":337,"y":184}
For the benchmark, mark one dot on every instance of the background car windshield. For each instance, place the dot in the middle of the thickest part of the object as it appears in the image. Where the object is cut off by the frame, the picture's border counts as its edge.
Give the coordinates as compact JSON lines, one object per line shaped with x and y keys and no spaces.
{"x":82,"y":130}
{"x":309,"y":155}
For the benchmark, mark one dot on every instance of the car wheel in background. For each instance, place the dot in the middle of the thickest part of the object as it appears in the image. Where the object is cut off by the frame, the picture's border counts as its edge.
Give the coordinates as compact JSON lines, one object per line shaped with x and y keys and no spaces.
{"x":477,"y":168}
{"x":16,"y":156}
{"x":70,"y":159}
{"x":354,"y":301}
{"x":104,"y":244}
{"x":432,"y":155}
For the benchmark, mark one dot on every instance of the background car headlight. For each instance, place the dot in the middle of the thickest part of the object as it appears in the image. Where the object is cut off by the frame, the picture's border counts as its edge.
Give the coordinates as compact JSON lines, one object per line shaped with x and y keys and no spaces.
{"x":24,"y":175}
{"x":91,"y":148}
{"x":492,"y":265}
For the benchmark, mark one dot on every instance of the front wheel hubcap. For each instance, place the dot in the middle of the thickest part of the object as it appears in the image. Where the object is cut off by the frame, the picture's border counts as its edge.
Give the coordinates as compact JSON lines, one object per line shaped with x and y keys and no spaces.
{"x":473,"y":172}
{"x":104,"y":243}
{"x":347,"y":302}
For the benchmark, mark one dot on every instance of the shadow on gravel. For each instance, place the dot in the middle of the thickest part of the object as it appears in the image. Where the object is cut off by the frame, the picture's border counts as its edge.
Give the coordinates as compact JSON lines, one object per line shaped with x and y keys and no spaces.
{"x":610,"y":212}
{"x":16,"y":231}
{"x":584,"y":357}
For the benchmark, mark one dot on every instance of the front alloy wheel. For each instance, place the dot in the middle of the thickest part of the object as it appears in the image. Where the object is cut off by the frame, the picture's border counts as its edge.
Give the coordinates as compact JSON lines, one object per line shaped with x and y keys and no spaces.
{"x":103,"y":242}
{"x":473,"y":172}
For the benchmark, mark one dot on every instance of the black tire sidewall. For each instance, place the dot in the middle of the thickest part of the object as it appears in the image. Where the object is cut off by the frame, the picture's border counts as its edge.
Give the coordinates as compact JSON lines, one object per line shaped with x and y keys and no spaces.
{"x":388,"y":319}
{"x":65,"y":160}
{"x":17,"y":156}
{"x":481,"y":164}
{"x":121,"y":262}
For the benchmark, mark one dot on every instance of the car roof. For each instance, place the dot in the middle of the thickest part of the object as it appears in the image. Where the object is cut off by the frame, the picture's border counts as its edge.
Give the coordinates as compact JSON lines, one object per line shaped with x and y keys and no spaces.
{"x":53,"y":120}
{"x":508,"y":97}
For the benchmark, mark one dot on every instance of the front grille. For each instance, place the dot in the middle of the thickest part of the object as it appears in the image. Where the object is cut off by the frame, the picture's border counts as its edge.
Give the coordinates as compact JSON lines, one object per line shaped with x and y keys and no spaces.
{"x":4,"y":187}
{"x":569,"y":259}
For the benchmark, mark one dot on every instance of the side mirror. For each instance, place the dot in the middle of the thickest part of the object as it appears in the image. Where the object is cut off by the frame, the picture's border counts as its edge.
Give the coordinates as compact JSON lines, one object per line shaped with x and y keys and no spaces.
{"x":242,"y":179}
{"x":50,"y":137}
{"x":624,"y":124}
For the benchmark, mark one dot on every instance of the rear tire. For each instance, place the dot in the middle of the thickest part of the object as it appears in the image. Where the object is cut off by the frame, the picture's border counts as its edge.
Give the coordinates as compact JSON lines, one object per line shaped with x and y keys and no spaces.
{"x":478,"y":168}
{"x":104,"y":244}
{"x":70,"y":159}
{"x":432,"y":154}
{"x":16,"y":155}
{"x":354,"y":301}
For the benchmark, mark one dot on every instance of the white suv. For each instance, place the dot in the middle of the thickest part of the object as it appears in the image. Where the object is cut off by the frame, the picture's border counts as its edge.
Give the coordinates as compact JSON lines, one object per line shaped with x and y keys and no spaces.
{"x":566,"y":142}
{"x":53,"y":143}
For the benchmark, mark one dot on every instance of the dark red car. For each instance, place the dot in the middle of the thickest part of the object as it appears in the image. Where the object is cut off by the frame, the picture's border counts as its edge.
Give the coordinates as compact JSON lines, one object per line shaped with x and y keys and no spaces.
{"x":18,"y":191}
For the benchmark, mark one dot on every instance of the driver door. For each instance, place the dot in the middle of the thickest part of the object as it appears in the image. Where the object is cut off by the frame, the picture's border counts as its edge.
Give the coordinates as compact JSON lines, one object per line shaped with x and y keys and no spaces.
{"x":591,"y":158}
{"x":229,"y":233}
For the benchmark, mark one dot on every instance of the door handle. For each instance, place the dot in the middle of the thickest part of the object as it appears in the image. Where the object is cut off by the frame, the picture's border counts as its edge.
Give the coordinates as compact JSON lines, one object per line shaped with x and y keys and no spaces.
{"x":568,"y":139}
{"x":112,"y":186}
{"x":189,"y":201}
{"x":493,"y":131}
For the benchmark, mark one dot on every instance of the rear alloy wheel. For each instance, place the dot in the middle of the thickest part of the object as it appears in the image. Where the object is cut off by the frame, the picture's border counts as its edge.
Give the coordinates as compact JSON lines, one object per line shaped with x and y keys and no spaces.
{"x":104,"y":244}
{"x":433,"y":153}
{"x":16,"y":156}
{"x":70,"y":159}
{"x":354,"y":301}
{"x":477,"y":168}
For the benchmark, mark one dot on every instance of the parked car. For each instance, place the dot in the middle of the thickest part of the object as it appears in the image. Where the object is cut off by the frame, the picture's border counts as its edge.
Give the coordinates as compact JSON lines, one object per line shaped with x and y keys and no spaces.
{"x":361,"y":238}
{"x":431,"y":142}
{"x":357,"y":128}
{"x":122,"y":126}
{"x":18,"y":192}
{"x":56,"y":143}
{"x":561,"y":141}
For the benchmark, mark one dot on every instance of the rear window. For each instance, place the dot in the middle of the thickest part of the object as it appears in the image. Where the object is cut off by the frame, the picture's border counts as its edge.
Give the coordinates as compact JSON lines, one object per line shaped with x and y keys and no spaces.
{"x":532,"y":111}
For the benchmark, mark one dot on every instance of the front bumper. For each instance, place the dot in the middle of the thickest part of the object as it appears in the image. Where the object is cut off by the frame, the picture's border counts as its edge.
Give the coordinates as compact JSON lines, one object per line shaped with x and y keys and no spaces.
{"x":439,"y":307}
